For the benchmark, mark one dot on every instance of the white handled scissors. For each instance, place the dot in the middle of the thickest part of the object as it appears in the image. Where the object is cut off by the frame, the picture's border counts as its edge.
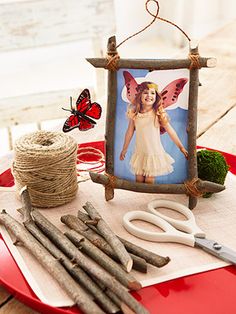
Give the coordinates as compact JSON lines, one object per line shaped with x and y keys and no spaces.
{"x":192,"y":235}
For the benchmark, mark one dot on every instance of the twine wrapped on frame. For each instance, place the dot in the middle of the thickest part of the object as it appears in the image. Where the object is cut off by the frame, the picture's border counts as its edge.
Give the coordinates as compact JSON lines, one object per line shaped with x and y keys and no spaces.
{"x":46,"y":163}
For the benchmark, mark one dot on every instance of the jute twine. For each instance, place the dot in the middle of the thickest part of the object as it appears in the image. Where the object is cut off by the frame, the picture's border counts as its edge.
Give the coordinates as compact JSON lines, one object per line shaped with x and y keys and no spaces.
{"x":46,"y":163}
{"x":191,"y":187}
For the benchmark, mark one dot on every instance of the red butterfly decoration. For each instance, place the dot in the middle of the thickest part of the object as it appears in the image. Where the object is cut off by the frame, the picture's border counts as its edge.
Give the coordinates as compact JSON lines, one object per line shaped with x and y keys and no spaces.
{"x":81,"y":116}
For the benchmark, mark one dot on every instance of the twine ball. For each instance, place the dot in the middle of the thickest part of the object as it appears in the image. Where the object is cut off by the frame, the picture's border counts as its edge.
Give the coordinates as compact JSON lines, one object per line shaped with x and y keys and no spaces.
{"x":46,"y":163}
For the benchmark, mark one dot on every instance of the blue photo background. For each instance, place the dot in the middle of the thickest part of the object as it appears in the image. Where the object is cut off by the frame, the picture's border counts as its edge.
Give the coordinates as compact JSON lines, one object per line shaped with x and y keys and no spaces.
{"x":178,"y":120}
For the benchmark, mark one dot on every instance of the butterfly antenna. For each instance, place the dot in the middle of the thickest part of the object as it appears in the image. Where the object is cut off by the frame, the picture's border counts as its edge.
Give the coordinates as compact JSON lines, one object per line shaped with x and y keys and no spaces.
{"x":70,"y":110}
{"x":66,"y":109}
{"x":71,"y":103}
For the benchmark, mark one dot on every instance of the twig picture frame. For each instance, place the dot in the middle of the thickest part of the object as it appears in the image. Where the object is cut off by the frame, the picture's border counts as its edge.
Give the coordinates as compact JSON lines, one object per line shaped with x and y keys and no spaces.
{"x":191,"y":185}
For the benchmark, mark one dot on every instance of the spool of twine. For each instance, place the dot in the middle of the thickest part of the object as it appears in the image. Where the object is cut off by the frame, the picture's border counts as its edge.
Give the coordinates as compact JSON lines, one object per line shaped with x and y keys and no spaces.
{"x":46,"y":163}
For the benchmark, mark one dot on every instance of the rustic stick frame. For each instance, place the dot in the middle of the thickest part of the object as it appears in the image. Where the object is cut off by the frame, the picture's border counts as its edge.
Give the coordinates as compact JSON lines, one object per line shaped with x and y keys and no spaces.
{"x":109,"y":180}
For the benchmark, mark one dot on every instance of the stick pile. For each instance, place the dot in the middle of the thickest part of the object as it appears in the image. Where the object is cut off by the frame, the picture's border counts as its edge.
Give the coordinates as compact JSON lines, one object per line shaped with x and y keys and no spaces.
{"x":89,"y":261}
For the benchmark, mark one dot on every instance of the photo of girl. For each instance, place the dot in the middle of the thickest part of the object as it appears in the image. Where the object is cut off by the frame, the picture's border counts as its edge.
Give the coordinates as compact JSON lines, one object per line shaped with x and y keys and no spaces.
{"x":140,"y":149}
{"x":147,"y":117}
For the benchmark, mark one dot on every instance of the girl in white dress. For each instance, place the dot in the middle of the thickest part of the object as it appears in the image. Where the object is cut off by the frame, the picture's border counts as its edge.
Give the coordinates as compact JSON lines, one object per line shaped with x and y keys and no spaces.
{"x":146,"y":118}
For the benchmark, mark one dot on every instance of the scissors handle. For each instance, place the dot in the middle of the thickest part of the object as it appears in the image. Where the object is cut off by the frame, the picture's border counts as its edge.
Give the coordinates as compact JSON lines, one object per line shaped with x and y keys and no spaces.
{"x":188,"y":225}
{"x":170,"y":234}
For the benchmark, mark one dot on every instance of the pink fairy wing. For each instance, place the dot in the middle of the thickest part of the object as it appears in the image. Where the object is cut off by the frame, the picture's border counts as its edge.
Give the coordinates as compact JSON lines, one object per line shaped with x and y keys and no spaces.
{"x":171,"y":92}
{"x":131,"y":86}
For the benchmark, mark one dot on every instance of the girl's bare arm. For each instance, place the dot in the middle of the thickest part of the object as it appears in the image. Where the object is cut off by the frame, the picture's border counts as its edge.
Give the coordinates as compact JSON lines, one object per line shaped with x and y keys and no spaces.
{"x":173,"y":135}
{"x":128,"y":136}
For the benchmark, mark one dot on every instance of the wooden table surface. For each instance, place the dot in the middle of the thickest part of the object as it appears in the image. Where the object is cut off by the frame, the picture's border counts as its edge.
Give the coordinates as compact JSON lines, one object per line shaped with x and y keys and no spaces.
{"x":216,"y":114}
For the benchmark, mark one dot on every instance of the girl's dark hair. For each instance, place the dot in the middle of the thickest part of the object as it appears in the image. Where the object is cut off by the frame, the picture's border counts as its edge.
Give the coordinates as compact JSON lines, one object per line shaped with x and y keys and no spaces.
{"x":140,"y":88}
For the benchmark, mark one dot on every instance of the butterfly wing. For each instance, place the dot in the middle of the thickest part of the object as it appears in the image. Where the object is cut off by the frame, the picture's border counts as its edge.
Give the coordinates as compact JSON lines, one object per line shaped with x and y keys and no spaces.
{"x":85,"y":106}
{"x":85,"y":124}
{"x":83,"y":103}
{"x":94,"y":111}
{"x":131,"y":86}
{"x":171,"y":92}
{"x":71,"y":123}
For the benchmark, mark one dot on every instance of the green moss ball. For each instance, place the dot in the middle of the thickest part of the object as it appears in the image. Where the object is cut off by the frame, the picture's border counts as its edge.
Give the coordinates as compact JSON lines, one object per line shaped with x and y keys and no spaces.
{"x":212,"y":166}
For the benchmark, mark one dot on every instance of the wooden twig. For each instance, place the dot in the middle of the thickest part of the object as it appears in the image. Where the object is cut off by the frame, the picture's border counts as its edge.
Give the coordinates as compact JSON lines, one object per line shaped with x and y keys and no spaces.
{"x":192,"y":125}
{"x":110,"y":123}
{"x":150,"y":257}
{"x":101,"y":258}
{"x":53,"y":266}
{"x":85,"y":218}
{"x":27,"y":207}
{"x":79,"y":226}
{"x":124,"y":307}
{"x":155,"y":64}
{"x":110,"y":237}
{"x":87,"y":264}
{"x":202,"y":186}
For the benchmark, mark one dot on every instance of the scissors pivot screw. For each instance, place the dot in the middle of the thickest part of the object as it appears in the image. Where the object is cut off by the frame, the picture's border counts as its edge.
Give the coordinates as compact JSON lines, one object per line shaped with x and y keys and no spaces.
{"x":217,"y":246}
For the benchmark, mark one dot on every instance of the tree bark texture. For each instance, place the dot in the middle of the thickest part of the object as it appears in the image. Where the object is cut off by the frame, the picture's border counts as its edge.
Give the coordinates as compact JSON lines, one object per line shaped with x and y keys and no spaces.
{"x":101,"y":258}
{"x":79,"y":226}
{"x":150,"y":257}
{"x":202,"y":186}
{"x":153,"y":64}
{"x":192,"y":126}
{"x":110,"y":237}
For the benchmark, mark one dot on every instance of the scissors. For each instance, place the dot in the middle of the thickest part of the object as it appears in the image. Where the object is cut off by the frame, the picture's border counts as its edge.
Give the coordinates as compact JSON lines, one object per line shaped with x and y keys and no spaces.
{"x":180,"y":231}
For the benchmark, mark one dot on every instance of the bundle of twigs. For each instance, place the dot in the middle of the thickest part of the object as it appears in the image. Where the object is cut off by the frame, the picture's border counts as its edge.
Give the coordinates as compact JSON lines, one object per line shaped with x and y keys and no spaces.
{"x":84,"y":259}
{"x":83,"y":221}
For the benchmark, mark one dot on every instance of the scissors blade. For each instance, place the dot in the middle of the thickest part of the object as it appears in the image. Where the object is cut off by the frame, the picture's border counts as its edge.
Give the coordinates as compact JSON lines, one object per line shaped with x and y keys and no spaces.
{"x":216,"y":249}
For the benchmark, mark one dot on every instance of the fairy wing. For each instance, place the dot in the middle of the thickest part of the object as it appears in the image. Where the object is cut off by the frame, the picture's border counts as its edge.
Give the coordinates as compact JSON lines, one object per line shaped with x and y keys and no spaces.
{"x":171,"y":92}
{"x":131,"y":86}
